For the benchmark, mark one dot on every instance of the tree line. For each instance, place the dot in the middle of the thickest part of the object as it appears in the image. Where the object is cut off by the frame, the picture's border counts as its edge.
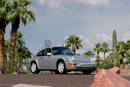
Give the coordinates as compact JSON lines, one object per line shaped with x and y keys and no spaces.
{"x":119,"y":54}
{"x":13,"y":12}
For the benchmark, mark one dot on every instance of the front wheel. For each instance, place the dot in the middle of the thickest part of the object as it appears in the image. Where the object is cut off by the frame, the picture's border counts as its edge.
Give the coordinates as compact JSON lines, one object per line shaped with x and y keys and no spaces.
{"x":34,"y":68}
{"x":61,"y":68}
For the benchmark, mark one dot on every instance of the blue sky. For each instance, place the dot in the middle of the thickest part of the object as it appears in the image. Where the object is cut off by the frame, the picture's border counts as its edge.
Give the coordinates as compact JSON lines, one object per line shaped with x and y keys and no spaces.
{"x":92,"y":20}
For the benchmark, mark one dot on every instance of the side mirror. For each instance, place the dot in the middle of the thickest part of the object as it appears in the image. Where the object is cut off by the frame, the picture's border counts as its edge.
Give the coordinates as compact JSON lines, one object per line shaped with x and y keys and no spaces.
{"x":49,"y":54}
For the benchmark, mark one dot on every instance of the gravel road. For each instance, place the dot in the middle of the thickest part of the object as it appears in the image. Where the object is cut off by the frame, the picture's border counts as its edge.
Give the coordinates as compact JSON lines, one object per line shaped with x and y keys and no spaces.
{"x":50,"y":80}
{"x":47,"y":80}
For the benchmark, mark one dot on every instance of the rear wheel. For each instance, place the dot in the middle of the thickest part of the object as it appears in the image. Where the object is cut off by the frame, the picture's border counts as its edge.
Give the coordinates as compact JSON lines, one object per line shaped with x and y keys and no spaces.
{"x":87,"y":72}
{"x":61,"y":68}
{"x":34,"y":68}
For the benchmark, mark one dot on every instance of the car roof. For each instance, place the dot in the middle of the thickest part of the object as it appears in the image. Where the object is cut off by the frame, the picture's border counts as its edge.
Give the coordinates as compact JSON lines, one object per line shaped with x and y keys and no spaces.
{"x":54,"y":47}
{"x":51,"y":48}
{"x":58,"y":47}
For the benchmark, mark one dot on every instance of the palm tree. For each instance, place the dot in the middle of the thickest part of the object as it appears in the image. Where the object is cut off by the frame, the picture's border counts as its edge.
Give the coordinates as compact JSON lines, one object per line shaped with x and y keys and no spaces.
{"x":104,"y":49}
{"x":20,"y":13}
{"x":128,"y":41}
{"x":97,"y":48}
{"x":22,"y":53}
{"x":110,"y":59}
{"x":89,"y":53}
{"x":122,"y":52}
{"x":22,"y":50}
{"x":128,"y":45}
{"x":4,"y":8}
{"x":74,"y":42}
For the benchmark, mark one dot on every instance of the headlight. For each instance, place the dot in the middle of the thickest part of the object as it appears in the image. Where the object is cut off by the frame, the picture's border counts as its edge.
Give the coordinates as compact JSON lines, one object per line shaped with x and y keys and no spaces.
{"x":72,"y":58}
{"x":93,"y":59}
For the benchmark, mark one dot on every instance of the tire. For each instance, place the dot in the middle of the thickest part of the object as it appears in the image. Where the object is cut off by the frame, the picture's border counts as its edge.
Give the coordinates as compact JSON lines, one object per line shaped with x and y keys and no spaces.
{"x":87,"y":72}
{"x":34,"y":68}
{"x":61,"y":68}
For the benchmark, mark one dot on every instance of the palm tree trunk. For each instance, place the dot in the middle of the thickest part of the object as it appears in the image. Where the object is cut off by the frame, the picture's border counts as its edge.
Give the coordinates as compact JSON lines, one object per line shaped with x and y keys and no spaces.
{"x":21,"y":63}
{"x":104,"y":58}
{"x":98,"y":52}
{"x":121,"y":63}
{"x":12,"y":49}
{"x":74,"y":51}
{"x":2,"y":31}
{"x":13,"y":33}
{"x":13,"y":43}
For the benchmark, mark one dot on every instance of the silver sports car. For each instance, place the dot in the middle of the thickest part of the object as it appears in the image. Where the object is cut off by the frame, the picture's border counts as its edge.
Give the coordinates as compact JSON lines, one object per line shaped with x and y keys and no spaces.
{"x":61,"y":60}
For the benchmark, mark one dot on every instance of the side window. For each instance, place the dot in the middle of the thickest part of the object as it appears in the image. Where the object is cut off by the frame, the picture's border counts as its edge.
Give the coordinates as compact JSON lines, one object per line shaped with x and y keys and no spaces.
{"x":47,"y":51}
{"x":44,"y":52}
{"x":56,"y":51}
{"x":41,"y":53}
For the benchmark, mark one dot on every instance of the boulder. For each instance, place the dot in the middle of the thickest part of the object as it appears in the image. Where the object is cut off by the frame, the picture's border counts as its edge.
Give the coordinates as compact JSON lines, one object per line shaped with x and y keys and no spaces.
{"x":110,"y":78}
{"x":125,"y":70}
{"x":116,"y":70}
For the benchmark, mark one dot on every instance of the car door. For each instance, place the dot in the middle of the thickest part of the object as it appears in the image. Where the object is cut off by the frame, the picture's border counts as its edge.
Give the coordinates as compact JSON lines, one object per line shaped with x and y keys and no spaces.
{"x":46,"y":60}
{"x":40,"y":57}
{"x":49,"y":60}
{"x":43,"y":59}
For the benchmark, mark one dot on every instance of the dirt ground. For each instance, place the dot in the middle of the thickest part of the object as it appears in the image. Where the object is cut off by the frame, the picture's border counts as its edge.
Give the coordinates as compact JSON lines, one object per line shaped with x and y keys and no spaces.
{"x":53,"y":80}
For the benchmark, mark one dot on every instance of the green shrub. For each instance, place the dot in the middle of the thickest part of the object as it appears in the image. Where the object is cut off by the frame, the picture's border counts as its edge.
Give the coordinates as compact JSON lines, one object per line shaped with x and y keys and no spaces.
{"x":107,"y":66}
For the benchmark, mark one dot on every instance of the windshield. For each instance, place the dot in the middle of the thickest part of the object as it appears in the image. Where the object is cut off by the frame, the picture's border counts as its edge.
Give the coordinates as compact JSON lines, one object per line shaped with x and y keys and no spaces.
{"x":62,"y":51}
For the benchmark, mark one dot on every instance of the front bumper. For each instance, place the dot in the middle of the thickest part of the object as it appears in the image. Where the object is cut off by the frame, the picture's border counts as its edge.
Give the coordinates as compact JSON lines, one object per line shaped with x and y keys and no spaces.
{"x":82,"y":66}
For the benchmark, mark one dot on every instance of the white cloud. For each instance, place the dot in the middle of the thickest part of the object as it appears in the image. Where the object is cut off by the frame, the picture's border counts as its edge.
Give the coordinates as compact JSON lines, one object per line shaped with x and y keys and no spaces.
{"x":42,"y":2}
{"x":66,"y":37}
{"x":86,"y":41}
{"x":126,"y":36}
{"x":94,"y":2}
{"x":104,"y":37}
{"x":54,"y":4}
{"x":59,"y":3}
{"x":51,"y":3}
{"x":87,"y":45}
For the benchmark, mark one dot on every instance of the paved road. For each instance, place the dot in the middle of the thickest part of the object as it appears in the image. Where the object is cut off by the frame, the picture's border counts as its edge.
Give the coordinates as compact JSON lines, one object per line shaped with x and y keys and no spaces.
{"x":47,"y":80}
{"x":51,"y":80}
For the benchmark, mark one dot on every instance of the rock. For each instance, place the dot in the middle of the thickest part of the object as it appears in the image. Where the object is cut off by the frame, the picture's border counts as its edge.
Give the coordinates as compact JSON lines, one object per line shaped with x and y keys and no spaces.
{"x":125,"y":70}
{"x":127,"y":66}
{"x":116,"y":70}
{"x":109,"y":78}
